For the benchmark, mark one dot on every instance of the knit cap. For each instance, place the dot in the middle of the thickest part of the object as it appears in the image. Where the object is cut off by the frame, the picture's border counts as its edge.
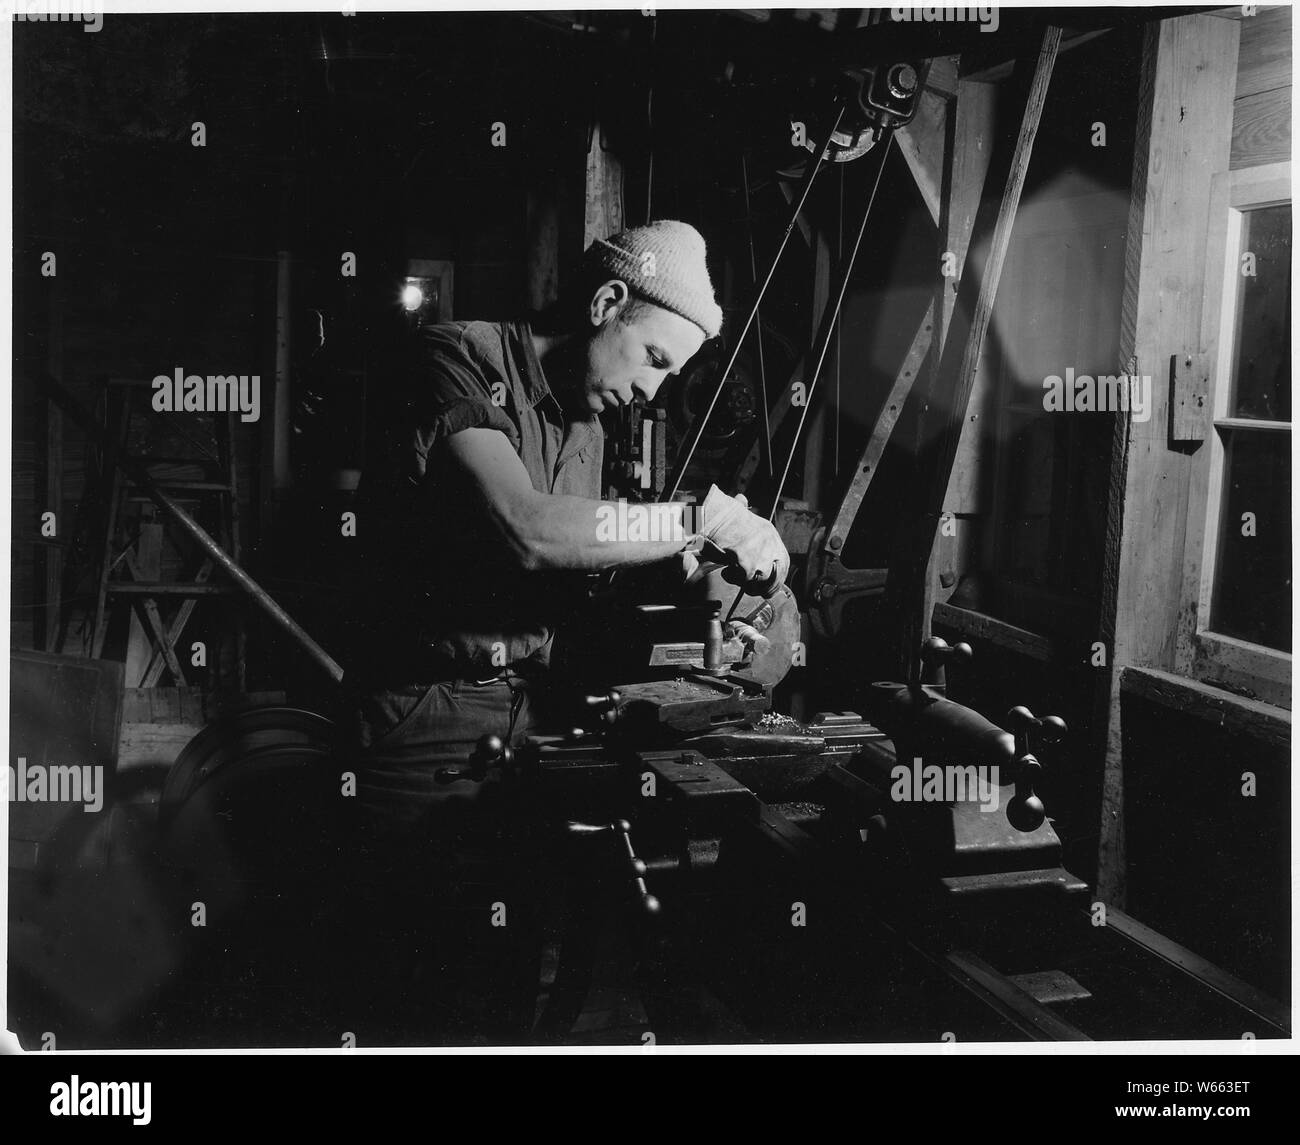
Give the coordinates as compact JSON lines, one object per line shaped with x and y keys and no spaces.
{"x":664,"y":262}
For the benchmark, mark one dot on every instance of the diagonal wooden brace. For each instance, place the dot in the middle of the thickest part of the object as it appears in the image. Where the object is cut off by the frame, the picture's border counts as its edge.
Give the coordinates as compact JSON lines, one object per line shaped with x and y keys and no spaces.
{"x":908,"y":590}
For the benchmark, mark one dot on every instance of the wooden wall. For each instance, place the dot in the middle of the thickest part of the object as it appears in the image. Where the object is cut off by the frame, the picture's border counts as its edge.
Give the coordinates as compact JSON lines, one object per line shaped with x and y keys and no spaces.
{"x":1216,"y":95}
{"x":1261,"y":110}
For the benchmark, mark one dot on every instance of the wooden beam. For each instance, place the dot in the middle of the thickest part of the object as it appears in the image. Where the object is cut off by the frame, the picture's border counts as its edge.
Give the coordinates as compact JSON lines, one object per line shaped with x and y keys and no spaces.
{"x":1261,"y":129}
{"x":998,"y":72}
{"x":169,"y":588}
{"x":1264,"y":58}
{"x":978,"y":626}
{"x":922,"y":140}
{"x":1205,"y":702}
{"x":868,"y":462}
{"x":176,"y":629}
{"x":50,"y":556}
{"x":972,"y":149}
{"x":145,"y":564}
{"x":1256,"y":1002}
{"x":49,"y":566}
{"x":909,"y":593}
{"x":1183,"y":136}
{"x":1008,"y":1000}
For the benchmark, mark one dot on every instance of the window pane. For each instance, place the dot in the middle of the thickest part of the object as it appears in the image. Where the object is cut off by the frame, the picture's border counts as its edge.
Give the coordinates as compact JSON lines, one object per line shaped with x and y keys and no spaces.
{"x":1261,"y":368}
{"x":1252,"y":583}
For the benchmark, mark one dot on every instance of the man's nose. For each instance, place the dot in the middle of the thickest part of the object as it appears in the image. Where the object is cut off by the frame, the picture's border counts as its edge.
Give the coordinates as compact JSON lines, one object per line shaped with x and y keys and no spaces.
{"x":646,"y":390}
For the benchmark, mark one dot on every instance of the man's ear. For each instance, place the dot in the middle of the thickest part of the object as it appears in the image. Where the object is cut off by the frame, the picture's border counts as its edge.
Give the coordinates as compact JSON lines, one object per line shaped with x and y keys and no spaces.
{"x":608,"y":300}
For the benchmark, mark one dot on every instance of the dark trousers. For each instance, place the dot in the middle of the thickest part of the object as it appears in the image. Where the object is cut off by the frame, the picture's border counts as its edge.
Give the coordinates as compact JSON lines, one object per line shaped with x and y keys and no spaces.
{"x":442,"y":910}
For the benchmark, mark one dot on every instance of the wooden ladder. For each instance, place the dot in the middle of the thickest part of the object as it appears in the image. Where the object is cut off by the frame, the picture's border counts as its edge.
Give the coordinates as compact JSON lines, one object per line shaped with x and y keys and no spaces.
{"x":131,"y":564}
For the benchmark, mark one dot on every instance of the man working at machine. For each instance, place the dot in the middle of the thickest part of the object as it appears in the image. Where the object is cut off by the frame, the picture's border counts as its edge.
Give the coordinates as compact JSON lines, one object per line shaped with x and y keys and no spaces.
{"x":482,"y":519}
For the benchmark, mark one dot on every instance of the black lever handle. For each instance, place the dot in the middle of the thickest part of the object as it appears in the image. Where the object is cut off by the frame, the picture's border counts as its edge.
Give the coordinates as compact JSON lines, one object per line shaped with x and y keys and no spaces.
{"x":1029,"y":729}
{"x":490,"y":751}
{"x":636,"y":868}
{"x":605,"y":707}
{"x":937,"y":651}
{"x":1025,"y":811}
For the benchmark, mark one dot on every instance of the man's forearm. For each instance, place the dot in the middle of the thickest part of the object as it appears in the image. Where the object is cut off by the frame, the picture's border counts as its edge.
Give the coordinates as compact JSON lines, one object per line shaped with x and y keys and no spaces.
{"x":549,"y":531}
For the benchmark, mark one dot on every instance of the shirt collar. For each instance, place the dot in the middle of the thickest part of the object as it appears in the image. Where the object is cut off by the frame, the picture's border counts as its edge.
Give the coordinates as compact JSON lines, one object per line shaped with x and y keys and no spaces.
{"x":536,"y":388}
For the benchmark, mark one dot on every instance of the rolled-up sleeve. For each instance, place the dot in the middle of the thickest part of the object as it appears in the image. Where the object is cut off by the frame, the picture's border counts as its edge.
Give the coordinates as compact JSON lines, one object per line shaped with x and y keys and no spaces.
{"x":452,"y":393}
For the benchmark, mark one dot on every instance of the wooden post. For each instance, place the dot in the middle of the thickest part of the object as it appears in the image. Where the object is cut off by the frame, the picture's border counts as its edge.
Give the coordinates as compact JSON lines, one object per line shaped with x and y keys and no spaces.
{"x":972,"y":149}
{"x":1184,"y":134}
{"x":971,"y":120}
{"x":276,"y":472}
{"x":50,"y":556}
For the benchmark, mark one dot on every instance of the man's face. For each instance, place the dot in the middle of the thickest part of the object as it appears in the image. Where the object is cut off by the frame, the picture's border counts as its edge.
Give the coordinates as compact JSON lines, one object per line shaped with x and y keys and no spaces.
{"x":629,"y":360}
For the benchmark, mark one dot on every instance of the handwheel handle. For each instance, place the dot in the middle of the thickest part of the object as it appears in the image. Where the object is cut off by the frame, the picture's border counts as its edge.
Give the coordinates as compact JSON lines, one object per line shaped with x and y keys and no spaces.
{"x":647,"y":903}
{"x":490,"y":751}
{"x":937,"y":651}
{"x":1030,"y":730}
{"x":1025,"y":811}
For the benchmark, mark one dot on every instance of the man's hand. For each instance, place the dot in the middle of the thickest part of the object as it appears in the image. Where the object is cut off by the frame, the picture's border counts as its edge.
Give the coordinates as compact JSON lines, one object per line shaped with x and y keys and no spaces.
{"x":750,"y":542}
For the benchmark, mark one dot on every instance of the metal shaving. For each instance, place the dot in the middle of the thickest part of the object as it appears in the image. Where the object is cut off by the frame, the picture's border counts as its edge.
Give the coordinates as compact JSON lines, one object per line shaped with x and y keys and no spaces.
{"x":774,"y":720}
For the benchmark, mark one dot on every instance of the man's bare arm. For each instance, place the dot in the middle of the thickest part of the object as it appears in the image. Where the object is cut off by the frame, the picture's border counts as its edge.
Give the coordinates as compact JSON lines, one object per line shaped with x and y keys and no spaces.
{"x":543,"y":531}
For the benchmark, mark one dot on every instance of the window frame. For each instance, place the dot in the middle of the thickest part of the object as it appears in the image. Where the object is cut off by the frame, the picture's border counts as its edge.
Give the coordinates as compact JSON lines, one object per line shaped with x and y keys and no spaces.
{"x":1204,"y":654}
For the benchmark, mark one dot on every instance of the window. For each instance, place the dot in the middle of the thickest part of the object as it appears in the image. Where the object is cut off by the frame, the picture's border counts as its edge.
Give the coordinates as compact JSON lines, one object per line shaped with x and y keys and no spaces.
{"x":1239,"y":529}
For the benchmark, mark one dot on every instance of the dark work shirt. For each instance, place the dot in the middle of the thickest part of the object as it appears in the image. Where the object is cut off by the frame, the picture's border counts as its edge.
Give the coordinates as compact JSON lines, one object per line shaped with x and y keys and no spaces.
{"x":439,"y":593}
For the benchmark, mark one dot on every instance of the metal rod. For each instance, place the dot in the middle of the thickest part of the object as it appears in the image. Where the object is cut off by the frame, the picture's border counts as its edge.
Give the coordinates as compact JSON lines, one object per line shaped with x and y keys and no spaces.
{"x":140,"y":474}
{"x":697,"y":430}
{"x":758,"y":321}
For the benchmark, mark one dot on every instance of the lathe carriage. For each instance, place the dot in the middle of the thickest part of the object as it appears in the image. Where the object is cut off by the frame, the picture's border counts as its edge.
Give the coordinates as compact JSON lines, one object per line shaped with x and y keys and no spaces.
{"x":741,"y":875}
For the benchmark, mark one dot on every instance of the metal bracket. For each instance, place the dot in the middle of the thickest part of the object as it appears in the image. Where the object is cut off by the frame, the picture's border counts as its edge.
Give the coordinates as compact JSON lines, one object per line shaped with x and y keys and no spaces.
{"x":829,"y":586}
